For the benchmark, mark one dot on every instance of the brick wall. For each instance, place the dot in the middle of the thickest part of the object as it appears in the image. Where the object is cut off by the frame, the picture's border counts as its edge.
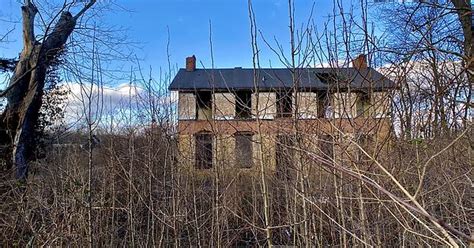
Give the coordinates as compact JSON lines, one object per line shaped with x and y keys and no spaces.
{"x":224,"y":126}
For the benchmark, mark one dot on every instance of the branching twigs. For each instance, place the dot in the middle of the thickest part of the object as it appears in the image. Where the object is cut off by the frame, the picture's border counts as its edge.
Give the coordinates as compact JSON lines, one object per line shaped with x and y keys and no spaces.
{"x":417,"y":208}
{"x":425,"y":166}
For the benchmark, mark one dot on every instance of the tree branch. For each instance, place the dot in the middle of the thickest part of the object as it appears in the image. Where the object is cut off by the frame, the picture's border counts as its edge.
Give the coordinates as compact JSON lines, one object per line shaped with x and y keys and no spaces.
{"x":28,"y":12}
{"x":83,"y":10}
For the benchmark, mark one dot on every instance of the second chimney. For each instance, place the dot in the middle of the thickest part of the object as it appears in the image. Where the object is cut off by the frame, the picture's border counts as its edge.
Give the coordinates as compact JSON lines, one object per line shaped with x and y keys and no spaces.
{"x":360,"y":62}
{"x":191,"y":63}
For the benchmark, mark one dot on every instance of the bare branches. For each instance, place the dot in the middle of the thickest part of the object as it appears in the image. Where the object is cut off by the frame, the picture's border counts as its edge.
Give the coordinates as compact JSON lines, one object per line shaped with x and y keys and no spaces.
{"x":83,"y":10}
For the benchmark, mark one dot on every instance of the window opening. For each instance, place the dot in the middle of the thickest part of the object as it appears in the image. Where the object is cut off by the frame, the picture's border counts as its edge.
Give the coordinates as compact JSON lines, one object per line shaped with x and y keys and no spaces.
{"x":244,"y":150}
{"x":243,"y":104}
{"x":204,"y":105}
{"x":284,"y":103}
{"x":203,"y":151}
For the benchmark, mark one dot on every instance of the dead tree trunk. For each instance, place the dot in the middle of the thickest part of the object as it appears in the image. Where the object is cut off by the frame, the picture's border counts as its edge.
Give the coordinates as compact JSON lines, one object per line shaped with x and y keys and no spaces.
{"x":25,"y":90}
{"x":463,"y":9}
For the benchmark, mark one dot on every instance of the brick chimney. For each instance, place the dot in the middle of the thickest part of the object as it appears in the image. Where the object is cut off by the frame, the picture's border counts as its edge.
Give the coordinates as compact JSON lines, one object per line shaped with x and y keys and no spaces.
{"x":191,"y":63}
{"x":360,"y":62}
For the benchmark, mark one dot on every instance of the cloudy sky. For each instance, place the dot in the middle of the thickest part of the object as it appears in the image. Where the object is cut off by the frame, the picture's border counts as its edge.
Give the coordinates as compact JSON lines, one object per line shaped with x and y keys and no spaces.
{"x":179,"y":28}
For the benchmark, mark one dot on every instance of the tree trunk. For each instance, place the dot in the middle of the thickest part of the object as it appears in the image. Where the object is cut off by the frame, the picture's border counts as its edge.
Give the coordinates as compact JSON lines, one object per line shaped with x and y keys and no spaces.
{"x":464,"y":12}
{"x":25,"y":90}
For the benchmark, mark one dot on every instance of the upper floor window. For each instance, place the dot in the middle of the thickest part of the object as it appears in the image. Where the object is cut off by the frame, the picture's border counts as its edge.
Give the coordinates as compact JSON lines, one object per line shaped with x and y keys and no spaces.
{"x":328,"y":77}
{"x":243,"y":104}
{"x":284,"y":103}
{"x":324,"y":105}
{"x":363,"y":104}
{"x":203,"y":150}
{"x":204,"y":105}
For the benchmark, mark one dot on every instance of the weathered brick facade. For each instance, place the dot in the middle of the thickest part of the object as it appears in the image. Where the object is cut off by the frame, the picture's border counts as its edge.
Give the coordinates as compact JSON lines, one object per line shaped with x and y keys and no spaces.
{"x":327,"y":120}
{"x":223,"y":125}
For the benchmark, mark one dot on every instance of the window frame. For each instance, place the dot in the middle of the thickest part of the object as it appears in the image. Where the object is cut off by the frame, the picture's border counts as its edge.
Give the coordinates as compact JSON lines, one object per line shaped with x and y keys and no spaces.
{"x":326,"y":146}
{"x":324,"y":104}
{"x":204,"y":150}
{"x":247,"y":153}
{"x":363,"y":104}
{"x":284,"y":103}
{"x":285,"y":154}
{"x":243,"y":107}
{"x":204,"y":103}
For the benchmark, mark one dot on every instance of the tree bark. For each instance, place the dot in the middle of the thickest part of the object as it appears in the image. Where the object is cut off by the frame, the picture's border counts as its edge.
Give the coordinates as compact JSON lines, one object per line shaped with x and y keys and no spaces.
{"x":464,"y":12}
{"x":25,"y":90}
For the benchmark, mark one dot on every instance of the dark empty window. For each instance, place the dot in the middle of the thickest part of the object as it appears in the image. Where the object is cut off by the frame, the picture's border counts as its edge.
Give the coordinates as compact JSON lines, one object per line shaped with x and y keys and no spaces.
{"x":203,"y":151}
{"x":243,"y":150}
{"x":324,"y":105}
{"x":204,"y":105}
{"x":324,"y":77}
{"x":284,"y":103}
{"x":363,"y":104}
{"x":327,"y":148}
{"x":327,"y":77}
{"x":243,"y":104}
{"x":365,"y":142}
{"x":284,"y":155}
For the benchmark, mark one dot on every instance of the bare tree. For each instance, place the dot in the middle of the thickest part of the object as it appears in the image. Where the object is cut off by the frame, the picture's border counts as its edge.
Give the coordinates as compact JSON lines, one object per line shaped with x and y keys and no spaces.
{"x":429,"y":46}
{"x":25,"y":90}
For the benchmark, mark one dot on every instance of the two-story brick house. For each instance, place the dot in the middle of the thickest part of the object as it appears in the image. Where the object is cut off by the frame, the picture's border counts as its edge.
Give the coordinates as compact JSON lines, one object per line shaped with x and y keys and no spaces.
{"x":238,"y":117}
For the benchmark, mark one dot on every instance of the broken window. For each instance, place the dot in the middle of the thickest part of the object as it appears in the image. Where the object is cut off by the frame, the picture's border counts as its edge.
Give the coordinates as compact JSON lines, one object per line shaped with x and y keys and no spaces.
{"x":328,"y":77}
{"x":204,"y":105}
{"x":243,"y":104}
{"x":324,"y":77}
{"x":324,"y":105}
{"x":203,"y":150}
{"x":243,"y":150}
{"x":363,"y":104}
{"x":284,"y":103}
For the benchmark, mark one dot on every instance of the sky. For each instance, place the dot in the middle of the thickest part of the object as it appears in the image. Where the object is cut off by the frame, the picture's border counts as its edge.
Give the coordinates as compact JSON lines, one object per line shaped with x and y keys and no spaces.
{"x":147,"y":23}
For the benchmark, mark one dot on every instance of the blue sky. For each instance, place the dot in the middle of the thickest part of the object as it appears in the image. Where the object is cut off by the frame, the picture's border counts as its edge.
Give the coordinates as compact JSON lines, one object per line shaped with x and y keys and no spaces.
{"x":147,"y":23}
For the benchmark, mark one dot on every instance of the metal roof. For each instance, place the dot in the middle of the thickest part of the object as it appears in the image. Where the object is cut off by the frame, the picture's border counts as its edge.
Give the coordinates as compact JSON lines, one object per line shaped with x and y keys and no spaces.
{"x":280,"y":78}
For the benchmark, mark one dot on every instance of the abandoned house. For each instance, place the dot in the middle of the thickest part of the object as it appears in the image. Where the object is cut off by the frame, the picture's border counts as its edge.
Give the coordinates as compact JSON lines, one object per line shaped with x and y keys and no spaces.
{"x":236,"y":118}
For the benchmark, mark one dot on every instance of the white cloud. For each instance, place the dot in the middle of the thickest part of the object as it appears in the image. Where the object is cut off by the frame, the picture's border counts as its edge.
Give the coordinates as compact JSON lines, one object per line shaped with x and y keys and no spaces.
{"x":122,"y":105}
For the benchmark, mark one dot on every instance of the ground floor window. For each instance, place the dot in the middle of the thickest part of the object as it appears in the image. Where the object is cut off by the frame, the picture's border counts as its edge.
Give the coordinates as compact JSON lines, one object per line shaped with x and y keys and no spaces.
{"x":326,"y":146}
{"x":203,"y":151}
{"x":284,"y":155}
{"x":243,"y":150}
